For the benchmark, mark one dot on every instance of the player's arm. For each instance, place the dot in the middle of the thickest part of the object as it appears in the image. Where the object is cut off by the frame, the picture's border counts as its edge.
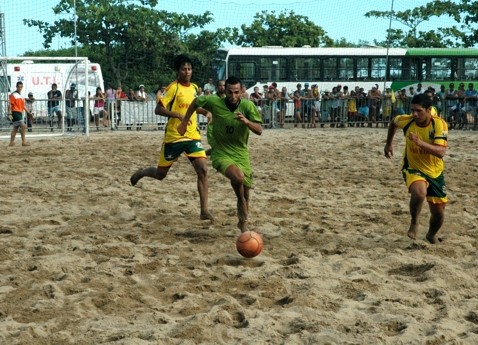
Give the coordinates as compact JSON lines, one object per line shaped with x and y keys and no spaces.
{"x":185,"y":120}
{"x":254,"y":127}
{"x":433,"y":149}
{"x":161,"y":110}
{"x":388,"y":149}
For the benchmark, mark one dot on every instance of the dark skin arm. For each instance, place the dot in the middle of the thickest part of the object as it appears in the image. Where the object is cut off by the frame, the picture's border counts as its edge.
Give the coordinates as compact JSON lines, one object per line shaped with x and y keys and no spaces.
{"x":255,"y":127}
{"x":436,"y":150}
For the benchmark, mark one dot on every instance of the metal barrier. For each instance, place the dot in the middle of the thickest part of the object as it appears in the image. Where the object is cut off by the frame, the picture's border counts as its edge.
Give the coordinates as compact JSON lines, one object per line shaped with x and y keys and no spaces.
{"x":347,"y":112}
{"x":356,"y":112}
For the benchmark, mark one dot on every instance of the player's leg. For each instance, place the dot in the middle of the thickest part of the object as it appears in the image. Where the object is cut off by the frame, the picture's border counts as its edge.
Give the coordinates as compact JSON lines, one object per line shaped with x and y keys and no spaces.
{"x":13,"y":134}
{"x":436,"y":221}
{"x":200,"y":166}
{"x":161,"y":170}
{"x":418,"y":192}
{"x":157,"y":173}
{"x":236,"y":176}
{"x":23,"y":129}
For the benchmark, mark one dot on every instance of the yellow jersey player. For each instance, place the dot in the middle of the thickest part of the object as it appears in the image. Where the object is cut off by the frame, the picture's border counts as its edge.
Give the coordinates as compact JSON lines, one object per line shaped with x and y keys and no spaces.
{"x":423,"y":167}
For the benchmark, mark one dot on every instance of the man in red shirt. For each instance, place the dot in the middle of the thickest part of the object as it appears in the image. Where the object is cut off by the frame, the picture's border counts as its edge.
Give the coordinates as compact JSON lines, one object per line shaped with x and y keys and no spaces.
{"x":16,"y":106}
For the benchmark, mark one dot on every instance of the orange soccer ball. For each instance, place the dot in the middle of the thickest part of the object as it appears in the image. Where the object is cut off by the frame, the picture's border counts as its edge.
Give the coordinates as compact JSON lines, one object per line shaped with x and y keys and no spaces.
{"x":249,"y":244}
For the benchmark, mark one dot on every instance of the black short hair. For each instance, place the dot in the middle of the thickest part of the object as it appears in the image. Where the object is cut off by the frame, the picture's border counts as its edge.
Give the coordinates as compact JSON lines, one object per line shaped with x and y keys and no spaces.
{"x":19,"y":83}
{"x":423,"y":100}
{"x":232,"y":80}
{"x":180,"y":60}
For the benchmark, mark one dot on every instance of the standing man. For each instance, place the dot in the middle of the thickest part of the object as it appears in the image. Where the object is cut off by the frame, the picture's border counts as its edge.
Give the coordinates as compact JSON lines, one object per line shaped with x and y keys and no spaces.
{"x":178,"y":97}
{"x":29,"y":107}
{"x":16,"y":106}
{"x":426,"y":143}
{"x":233,"y":118}
{"x":209,"y":86}
{"x":54,"y":97}
{"x":71,"y":96}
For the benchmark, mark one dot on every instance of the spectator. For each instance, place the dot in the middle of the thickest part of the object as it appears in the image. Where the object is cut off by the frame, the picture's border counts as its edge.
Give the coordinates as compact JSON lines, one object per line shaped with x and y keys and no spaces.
{"x":120,"y":97}
{"x":160,"y":92}
{"x":315,"y":105}
{"x":110,"y":99}
{"x":53,"y":105}
{"x":419,"y":89}
{"x":352,"y":108}
{"x":282,"y":106}
{"x":441,"y":104}
{"x":244,"y":94}
{"x":307,"y":104}
{"x":362,"y":104}
{"x":256,"y":98}
{"x":298,"y":94}
{"x":451,"y":99}
{"x":142,"y":95}
{"x":374,"y":100}
{"x":99,"y":108}
{"x":471,"y":97}
{"x":402,"y":102}
{"x":334,"y":106}
{"x":132,"y":95}
{"x":30,"y":111}
{"x":209,"y":86}
{"x":71,"y":96}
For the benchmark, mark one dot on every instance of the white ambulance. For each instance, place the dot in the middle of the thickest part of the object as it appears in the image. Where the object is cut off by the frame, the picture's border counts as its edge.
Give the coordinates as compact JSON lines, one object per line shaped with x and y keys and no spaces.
{"x":38,"y":77}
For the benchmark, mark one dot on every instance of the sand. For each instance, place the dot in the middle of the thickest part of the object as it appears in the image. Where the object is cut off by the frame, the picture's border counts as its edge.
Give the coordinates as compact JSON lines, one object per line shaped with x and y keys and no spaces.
{"x":88,"y":259}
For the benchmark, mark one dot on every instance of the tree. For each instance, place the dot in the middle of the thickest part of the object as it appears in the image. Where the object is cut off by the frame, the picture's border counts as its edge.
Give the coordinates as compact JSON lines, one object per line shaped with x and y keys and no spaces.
{"x":287,"y":29}
{"x":465,"y":13}
{"x":134,"y":42}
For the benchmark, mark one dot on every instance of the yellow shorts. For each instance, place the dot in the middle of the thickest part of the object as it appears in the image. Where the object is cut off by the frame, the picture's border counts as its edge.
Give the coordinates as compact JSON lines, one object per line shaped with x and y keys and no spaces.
{"x":436,"y":192}
{"x":170,"y":152}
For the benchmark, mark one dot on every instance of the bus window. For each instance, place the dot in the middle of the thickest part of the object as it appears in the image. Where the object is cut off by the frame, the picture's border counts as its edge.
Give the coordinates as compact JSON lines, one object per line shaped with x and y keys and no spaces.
{"x":362,"y":68}
{"x":273,"y":68}
{"x":306,"y":68}
{"x":242,"y":70}
{"x":440,"y":69}
{"x":395,"y":68}
{"x":330,"y":68}
{"x":346,"y":68}
{"x":378,"y":68}
{"x":471,"y":68}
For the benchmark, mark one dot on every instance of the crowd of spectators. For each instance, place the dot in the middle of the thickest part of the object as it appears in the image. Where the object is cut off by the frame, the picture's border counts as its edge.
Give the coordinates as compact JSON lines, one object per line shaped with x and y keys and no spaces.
{"x":341,"y":107}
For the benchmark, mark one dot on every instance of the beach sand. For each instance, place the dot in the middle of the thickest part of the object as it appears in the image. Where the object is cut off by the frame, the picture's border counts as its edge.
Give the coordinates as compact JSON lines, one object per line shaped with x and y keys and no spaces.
{"x":85,"y":258}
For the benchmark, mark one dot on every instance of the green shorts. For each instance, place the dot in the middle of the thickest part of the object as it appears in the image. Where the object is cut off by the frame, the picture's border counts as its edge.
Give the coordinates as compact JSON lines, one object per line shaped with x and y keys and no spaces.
{"x":436,"y":191}
{"x":171,"y":151}
{"x":221,"y":162}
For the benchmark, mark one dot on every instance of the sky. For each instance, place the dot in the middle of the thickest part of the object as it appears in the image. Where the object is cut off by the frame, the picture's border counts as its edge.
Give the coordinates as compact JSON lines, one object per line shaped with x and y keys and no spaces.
{"x":339,"y":18}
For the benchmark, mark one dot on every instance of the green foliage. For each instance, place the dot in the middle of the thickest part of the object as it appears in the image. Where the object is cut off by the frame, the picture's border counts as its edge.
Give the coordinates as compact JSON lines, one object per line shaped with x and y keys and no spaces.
{"x":134,"y":43}
{"x":464,"y":12}
{"x":286,"y":29}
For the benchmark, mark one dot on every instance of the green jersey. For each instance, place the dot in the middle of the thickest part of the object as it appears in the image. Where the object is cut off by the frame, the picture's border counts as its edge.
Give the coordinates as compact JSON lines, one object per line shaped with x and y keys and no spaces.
{"x":228,"y":136}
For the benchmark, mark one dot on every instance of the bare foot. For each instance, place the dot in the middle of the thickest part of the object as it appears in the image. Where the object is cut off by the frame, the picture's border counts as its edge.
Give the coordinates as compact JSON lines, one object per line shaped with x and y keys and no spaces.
{"x":412,"y":232}
{"x":25,"y":144}
{"x":432,"y":238}
{"x":206,"y":216}
{"x":136,"y":177}
{"x":242,"y":225}
{"x":11,"y":144}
